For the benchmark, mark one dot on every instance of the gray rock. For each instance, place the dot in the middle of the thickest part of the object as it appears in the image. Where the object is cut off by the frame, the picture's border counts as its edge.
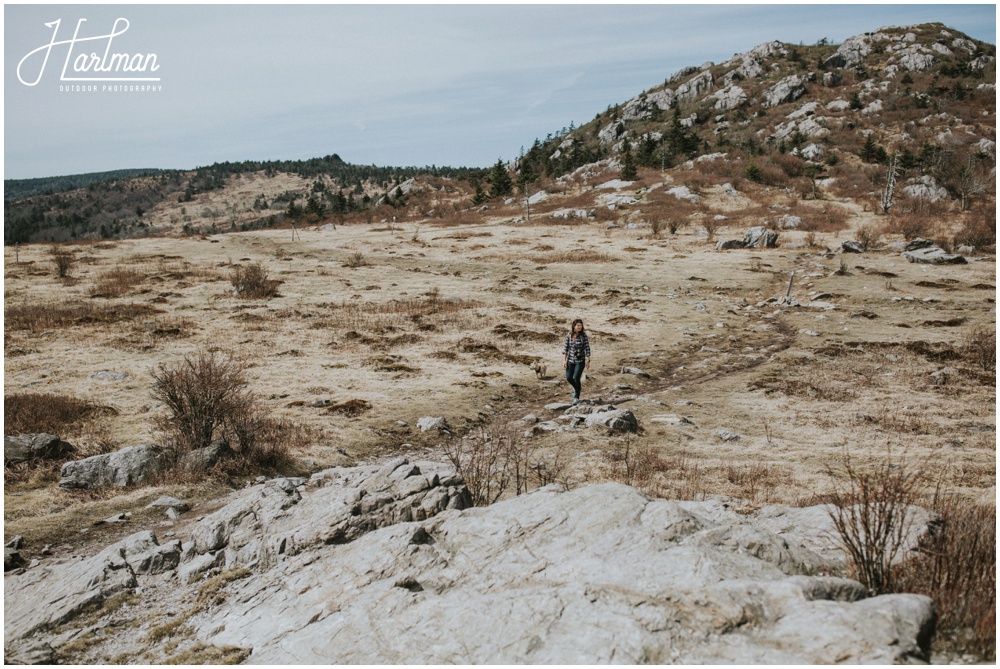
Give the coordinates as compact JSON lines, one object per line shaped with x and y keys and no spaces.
{"x":919,"y":243}
{"x":616,"y":420}
{"x":725,"y":245}
{"x":934,"y":256}
{"x":727,"y":435}
{"x":129,"y":466}
{"x":851,"y":246}
{"x":558,"y":406}
{"x":789,"y":89}
{"x":12,"y":559}
{"x":272,"y":521}
{"x":635,"y":371}
{"x":597,"y":575}
{"x":49,"y":595}
{"x":24,"y":447}
{"x":200,"y":459}
{"x":108,"y":376}
{"x":760,"y":237}
{"x":16,"y":542}
{"x":432,"y":423}
{"x":37,"y":653}
{"x":170,"y":502}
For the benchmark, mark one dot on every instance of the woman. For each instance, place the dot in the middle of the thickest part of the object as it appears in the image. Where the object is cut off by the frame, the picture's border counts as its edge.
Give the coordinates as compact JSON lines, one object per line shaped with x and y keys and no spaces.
{"x":576,"y":356}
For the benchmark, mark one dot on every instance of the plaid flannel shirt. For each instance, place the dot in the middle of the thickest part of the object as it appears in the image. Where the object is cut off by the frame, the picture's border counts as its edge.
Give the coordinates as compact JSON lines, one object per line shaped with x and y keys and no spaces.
{"x":577,"y":351}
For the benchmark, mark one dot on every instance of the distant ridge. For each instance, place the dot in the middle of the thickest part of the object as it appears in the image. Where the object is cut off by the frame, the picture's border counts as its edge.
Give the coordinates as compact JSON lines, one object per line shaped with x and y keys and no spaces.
{"x":16,"y":189}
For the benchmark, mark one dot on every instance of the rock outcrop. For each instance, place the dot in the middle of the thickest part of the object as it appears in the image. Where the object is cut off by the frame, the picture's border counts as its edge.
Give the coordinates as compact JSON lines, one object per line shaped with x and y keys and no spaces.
{"x":386,"y":564}
{"x":597,"y":575}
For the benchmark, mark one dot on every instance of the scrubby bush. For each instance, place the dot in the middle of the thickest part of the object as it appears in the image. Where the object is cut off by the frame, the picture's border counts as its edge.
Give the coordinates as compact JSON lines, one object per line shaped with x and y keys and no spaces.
{"x":956,"y":567}
{"x":63,"y":261}
{"x":868,"y":236}
{"x":980,"y":346}
{"x":252,"y":282}
{"x":208,"y":400}
{"x":872,"y":512}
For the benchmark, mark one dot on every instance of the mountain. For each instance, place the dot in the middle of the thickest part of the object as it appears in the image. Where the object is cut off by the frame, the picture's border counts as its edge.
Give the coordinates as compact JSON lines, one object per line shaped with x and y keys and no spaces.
{"x":823,"y":117}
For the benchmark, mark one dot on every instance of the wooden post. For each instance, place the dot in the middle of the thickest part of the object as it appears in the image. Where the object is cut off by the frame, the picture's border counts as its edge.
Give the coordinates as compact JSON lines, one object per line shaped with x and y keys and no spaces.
{"x":789,"y":291}
{"x":17,"y":252}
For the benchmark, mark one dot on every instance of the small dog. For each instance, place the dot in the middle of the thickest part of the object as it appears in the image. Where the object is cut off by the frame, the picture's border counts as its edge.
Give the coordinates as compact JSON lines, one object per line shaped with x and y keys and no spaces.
{"x":539,"y":368}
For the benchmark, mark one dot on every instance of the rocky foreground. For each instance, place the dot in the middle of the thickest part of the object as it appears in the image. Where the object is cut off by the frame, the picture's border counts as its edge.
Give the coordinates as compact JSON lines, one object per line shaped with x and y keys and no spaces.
{"x":387,"y":564}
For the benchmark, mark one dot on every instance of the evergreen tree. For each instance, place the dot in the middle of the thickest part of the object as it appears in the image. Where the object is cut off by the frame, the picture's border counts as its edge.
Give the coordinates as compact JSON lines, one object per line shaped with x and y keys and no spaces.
{"x":500,"y":181}
{"x":628,"y":172}
{"x":869,"y":152}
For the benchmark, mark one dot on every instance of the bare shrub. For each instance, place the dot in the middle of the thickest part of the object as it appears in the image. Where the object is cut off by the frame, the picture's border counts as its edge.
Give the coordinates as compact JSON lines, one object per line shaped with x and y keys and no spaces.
{"x":29,"y":413}
{"x":872,"y":514}
{"x":208,"y":400}
{"x":868,"y":236}
{"x":711,"y":226}
{"x":980,"y":346}
{"x":252,"y":282}
{"x":956,"y":567}
{"x":63,"y":261}
{"x":492,"y":459}
{"x":979,"y":230}
{"x":356,"y":259}
{"x":831,"y":218}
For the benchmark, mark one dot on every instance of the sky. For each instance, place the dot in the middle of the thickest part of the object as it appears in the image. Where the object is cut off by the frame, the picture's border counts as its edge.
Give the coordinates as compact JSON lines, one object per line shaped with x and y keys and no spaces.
{"x":458,"y":85}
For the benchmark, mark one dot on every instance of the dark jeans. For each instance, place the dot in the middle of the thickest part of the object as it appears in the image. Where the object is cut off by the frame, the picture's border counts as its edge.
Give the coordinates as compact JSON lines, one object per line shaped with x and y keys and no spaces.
{"x":574,"y":371}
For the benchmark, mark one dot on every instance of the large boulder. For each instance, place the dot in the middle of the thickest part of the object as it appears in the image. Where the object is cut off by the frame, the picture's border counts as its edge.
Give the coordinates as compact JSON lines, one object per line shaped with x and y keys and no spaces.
{"x":932,"y":255}
{"x":759,"y":237}
{"x":24,"y":447}
{"x":598,"y":575}
{"x":129,"y":466}
{"x":789,"y":89}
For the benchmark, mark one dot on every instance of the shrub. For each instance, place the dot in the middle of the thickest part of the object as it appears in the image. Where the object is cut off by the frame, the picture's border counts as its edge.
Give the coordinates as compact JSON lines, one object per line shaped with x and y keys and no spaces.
{"x":980,"y":346}
{"x":979,"y":231}
{"x":711,"y":225}
{"x":492,"y":459}
{"x":357,"y":260}
{"x":872,"y":514}
{"x":63,"y":261}
{"x":956,"y":567}
{"x":868,"y":236}
{"x":208,"y":400}
{"x":252,"y":282}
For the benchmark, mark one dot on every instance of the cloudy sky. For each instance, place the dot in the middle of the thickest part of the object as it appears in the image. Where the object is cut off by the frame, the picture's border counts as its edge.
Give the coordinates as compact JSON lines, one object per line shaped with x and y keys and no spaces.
{"x":389,"y":85}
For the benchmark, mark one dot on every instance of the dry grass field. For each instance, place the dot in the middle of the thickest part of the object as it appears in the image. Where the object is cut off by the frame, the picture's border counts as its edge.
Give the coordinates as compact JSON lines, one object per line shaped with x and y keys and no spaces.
{"x":349,"y":336}
{"x":372,"y":327}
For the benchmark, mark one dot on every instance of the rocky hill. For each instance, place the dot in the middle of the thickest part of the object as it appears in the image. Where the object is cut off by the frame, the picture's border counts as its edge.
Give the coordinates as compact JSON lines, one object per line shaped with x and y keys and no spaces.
{"x":830,"y":118}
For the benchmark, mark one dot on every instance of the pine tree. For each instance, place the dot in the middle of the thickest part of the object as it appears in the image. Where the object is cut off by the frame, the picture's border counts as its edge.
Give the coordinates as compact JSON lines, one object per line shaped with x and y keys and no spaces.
{"x":869,"y":152}
{"x":500,"y":181}
{"x":628,"y":172}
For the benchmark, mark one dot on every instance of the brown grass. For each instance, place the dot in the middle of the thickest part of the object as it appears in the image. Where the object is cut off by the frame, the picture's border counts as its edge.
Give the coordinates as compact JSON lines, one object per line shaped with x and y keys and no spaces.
{"x":43,"y":316}
{"x":30,"y":413}
{"x":116,"y":282}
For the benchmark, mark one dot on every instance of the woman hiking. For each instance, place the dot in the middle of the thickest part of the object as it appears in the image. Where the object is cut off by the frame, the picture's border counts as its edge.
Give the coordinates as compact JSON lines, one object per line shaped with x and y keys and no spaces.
{"x":576,"y":356}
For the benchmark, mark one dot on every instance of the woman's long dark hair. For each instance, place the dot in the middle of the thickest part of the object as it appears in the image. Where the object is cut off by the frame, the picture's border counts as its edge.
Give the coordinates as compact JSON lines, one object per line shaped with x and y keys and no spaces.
{"x":572,"y":328}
